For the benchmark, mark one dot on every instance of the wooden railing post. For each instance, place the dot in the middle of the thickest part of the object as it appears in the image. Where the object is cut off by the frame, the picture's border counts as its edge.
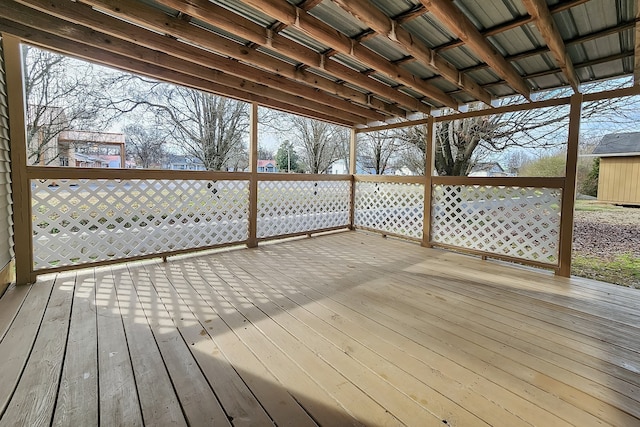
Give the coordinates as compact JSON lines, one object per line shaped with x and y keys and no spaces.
{"x":353,"y":141}
{"x":569,"y":190}
{"x":429,"y":145}
{"x":252,"y":242}
{"x":20,"y":188}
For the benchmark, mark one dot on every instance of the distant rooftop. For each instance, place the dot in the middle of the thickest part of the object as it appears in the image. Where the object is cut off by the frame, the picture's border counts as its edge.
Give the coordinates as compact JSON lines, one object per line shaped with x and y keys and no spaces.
{"x":619,"y":144}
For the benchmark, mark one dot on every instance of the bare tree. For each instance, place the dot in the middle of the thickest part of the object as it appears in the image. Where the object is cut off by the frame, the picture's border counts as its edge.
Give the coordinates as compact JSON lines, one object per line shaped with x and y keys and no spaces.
{"x":210,"y":128}
{"x":460,"y":144}
{"x":62,"y":94}
{"x":145,"y":144}
{"x":319,"y":142}
{"x":379,"y":150}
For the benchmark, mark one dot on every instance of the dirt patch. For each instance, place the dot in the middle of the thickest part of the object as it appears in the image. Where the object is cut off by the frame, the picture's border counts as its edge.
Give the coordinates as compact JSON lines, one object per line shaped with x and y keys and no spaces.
{"x":607,"y":234}
{"x":606,"y":243}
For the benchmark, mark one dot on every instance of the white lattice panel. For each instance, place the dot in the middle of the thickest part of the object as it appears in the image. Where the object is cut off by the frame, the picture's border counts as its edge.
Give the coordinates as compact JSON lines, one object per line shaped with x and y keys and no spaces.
{"x":512,"y":221}
{"x":288,"y":207}
{"x":396,"y":208}
{"x":82,"y":221}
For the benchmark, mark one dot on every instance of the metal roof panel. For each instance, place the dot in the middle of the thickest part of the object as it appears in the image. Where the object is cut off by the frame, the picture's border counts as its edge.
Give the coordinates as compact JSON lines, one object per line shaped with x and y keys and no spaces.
{"x":334,"y":15}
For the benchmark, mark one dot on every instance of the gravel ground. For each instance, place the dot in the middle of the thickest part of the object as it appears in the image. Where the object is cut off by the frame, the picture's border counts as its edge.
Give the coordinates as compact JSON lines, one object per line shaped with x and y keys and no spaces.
{"x":607,"y":233}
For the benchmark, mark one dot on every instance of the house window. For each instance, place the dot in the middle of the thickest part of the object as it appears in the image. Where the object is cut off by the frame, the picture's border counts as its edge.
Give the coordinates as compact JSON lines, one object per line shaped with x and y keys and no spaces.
{"x":64,"y":161}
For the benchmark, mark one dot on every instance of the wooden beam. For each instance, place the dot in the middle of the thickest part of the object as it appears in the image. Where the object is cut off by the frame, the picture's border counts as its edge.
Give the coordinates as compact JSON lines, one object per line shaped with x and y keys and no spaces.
{"x":156,"y":20}
{"x":518,"y":22}
{"x":574,"y":41}
{"x":244,"y":75}
{"x":380,"y":23}
{"x":546,"y":26}
{"x":428,"y":181}
{"x":20,"y":187}
{"x":228,"y":21}
{"x":636,"y":56}
{"x":474,"y":113}
{"x":324,"y":33}
{"x":413,"y":13}
{"x":160,"y":72}
{"x":569,"y":190}
{"x":585,"y":64}
{"x":353,"y":167}
{"x":252,"y":241}
{"x":458,"y":23}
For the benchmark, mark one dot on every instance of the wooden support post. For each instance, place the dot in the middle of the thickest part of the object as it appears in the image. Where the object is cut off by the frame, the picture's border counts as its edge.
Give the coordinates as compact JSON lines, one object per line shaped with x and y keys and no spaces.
{"x":123,"y":156}
{"x":252,"y":242}
{"x":353,"y":140}
{"x":429,"y":145}
{"x":20,"y":188}
{"x":569,"y":190}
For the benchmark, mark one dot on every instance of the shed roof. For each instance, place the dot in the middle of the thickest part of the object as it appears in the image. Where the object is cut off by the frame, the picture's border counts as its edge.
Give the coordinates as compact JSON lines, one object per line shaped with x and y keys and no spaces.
{"x":619,"y":144}
{"x":351,"y":62}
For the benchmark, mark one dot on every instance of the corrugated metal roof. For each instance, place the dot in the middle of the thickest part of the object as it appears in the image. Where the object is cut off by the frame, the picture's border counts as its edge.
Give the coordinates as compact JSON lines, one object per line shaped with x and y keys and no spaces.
{"x":606,"y":56}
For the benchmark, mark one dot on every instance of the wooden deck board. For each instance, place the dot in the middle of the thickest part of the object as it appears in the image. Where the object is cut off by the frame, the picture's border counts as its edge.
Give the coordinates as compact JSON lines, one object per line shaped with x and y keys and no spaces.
{"x":42,"y":371}
{"x":10,"y":305}
{"x":119,"y":401}
{"x":77,"y":402}
{"x":342,"y":329}
{"x":199,"y":404}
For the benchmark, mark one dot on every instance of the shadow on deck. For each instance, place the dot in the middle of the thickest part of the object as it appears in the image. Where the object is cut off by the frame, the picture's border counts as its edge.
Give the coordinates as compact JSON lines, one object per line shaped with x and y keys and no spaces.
{"x":342,"y":329}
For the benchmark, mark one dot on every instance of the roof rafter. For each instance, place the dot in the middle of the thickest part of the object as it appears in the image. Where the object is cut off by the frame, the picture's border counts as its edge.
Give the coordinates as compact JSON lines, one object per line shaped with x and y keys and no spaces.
{"x":231,"y":71}
{"x":547,"y":27}
{"x":458,"y":23}
{"x":518,"y":22}
{"x":226,"y":20}
{"x":545,"y":49}
{"x":590,"y":63}
{"x":158,"y":21}
{"x":382,"y":24}
{"x":84,"y":51}
{"x":324,"y":33}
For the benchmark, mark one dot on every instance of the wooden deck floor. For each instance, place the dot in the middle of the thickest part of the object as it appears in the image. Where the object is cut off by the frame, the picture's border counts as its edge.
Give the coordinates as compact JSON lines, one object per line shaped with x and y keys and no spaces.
{"x":343,"y":329}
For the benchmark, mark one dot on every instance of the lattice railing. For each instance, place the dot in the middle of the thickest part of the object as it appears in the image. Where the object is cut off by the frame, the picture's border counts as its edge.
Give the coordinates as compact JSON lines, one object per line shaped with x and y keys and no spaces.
{"x":515,"y":222}
{"x":78,"y":221}
{"x":391,"y":207}
{"x":291,"y":207}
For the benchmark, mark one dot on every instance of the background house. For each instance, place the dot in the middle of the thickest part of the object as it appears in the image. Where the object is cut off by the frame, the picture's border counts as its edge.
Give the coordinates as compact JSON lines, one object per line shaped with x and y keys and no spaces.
{"x":183,"y":163}
{"x":267,"y":166}
{"x":90,"y":149}
{"x":619,"y":179}
{"x":488,"y":169}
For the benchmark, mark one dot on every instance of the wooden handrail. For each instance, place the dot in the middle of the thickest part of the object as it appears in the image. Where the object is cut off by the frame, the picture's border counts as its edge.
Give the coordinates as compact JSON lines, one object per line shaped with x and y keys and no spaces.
{"x":503,"y":181}
{"x":390,"y":178}
{"x":46,"y":172}
{"x":49,"y":172}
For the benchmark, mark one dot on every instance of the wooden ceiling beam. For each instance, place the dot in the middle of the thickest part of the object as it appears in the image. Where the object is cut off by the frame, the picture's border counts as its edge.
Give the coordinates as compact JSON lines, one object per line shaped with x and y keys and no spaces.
{"x":547,"y":27}
{"x":458,"y":23}
{"x":228,"y":21}
{"x":157,"y":20}
{"x":518,"y":22}
{"x":574,"y":41}
{"x":410,"y":14}
{"x":156,"y":71}
{"x":597,"y":61}
{"x":229,"y":70}
{"x":324,"y":33}
{"x":382,"y":24}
